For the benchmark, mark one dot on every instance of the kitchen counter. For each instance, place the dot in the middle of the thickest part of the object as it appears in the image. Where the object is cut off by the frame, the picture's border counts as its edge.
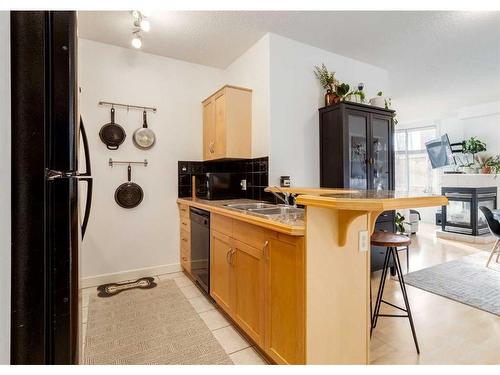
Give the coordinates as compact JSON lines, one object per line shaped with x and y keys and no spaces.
{"x":318,"y":278}
{"x":294,"y":228}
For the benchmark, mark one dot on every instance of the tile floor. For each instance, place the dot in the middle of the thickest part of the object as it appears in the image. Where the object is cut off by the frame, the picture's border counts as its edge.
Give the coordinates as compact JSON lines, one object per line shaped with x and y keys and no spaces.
{"x":448,"y":332}
{"x":236,"y":346}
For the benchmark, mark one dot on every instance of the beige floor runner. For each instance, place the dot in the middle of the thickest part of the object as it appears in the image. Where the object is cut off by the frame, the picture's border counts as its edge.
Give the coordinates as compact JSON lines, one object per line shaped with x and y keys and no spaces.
{"x":155,"y":326}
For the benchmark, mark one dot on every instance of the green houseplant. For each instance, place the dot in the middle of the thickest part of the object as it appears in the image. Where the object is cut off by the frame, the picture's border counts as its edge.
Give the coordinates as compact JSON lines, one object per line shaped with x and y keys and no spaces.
{"x":399,"y":221}
{"x":328,"y":82}
{"x":489,"y":164}
{"x":472,"y":146}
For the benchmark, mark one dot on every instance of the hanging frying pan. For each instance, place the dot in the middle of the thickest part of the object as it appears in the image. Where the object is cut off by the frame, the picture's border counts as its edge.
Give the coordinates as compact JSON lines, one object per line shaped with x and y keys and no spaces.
{"x":144,"y":137}
{"x":129,"y":194}
{"x":112,"y":134}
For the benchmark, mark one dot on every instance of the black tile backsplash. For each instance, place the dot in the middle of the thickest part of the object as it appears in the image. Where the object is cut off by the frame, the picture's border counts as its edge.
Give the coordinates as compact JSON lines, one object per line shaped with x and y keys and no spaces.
{"x":256,"y":172}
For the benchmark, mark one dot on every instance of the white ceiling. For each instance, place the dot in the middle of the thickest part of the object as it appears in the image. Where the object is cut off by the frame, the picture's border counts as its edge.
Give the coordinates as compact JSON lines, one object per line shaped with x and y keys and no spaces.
{"x":424,"y":52}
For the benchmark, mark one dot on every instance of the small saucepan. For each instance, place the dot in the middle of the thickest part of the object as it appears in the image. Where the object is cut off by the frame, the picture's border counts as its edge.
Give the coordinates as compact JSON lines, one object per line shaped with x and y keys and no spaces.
{"x":112,"y":134}
{"x":144,"y":138}
{"x":129,"y":194}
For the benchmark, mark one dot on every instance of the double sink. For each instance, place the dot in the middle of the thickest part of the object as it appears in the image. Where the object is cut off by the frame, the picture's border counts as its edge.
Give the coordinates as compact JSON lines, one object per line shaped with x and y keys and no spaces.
{"x":269,"y":211}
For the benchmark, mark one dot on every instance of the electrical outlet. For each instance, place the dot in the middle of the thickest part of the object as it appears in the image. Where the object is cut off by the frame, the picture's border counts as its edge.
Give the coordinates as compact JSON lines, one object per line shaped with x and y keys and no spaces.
{"x":363,"y":241}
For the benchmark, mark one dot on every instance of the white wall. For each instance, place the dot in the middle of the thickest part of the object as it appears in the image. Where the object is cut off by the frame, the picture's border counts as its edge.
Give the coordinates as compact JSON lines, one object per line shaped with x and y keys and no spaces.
{"x":252,"y":70}
{"x":5,"y":188}
{"x":295,"y":96}
{"x":148,"y":236}
{"x":286,"y":96}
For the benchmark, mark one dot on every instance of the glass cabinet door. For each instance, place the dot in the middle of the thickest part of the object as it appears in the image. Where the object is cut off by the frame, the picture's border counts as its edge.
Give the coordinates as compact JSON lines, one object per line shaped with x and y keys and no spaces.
{"x":357,"y":149}
{"x":380,"y":150}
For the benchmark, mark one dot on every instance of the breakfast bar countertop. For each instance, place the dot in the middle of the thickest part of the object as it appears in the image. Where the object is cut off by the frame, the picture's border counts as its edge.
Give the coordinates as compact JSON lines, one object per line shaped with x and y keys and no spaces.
{"x":363,"y":200}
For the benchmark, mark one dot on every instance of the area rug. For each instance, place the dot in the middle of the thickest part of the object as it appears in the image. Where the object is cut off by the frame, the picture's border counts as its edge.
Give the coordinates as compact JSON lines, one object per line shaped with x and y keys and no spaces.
{"x":464,"y":280}
{"x":149,"y":326}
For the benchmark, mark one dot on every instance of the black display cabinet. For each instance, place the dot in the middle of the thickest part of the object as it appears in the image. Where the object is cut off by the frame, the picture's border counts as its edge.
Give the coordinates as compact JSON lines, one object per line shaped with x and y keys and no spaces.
{"x":357,"y":151}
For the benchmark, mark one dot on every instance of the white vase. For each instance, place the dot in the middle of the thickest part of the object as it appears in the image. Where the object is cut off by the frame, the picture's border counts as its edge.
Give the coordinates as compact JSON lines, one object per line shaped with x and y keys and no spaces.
{"x":378,"y":101}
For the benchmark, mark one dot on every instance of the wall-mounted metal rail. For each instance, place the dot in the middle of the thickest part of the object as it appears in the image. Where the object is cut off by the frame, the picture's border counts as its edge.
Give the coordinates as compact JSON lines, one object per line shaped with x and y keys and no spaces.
{"x":128,"y":162}
{"x":128,"y":106}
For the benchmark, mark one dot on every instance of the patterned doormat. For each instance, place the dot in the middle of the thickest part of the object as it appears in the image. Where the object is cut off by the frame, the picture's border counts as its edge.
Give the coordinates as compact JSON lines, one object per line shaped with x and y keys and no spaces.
{"x":465,"y":280}
{"x":151,"y":326}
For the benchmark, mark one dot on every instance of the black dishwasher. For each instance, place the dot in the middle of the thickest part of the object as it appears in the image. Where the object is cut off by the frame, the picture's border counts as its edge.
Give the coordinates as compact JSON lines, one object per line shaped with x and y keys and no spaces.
{"x":200,"y":247}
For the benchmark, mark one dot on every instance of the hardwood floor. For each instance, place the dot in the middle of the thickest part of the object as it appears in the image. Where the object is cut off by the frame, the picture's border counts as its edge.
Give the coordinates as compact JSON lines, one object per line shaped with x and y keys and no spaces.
{"x":448,"y":332}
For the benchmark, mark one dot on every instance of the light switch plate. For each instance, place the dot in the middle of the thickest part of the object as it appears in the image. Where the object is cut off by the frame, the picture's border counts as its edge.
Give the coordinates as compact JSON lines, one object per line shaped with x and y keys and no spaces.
{"x":363,"y":241}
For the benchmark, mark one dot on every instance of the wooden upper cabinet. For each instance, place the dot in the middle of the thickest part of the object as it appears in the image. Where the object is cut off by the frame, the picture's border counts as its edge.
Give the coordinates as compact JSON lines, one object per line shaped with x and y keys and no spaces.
{"x":227,"y":124}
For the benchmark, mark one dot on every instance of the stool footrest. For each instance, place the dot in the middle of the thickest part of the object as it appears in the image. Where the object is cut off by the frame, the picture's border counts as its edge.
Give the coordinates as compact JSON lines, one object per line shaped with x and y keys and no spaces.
{"x":394,"y":316}
{"x":396,"y":307}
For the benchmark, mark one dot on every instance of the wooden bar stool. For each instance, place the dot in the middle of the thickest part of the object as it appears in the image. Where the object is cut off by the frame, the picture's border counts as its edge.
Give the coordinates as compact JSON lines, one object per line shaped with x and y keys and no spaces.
{"x":392,"y":241}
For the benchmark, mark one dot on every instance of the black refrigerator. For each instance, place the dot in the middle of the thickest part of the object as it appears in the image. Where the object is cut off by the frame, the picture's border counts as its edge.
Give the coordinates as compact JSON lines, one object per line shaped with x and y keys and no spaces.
{"x":48,"y":223}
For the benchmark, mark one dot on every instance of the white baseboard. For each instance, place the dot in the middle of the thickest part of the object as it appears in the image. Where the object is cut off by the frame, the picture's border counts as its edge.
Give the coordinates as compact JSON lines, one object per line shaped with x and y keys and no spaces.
{"x":483,"y":239}
{"x":116,"y":277}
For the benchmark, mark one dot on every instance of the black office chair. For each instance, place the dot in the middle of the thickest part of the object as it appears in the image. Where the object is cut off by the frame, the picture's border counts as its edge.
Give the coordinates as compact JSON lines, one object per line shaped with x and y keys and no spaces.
{"x":494,"y":225}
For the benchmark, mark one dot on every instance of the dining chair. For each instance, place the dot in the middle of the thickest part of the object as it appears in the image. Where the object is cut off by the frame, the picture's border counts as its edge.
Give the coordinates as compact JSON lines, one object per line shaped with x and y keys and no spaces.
{"x":494,"y":226}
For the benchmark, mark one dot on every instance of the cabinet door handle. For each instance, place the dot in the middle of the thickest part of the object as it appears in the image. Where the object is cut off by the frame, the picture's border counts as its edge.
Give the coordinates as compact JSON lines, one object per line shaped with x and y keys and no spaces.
{"x":265,"y":248}
{"x":185,"y":239}
{"x":228,"y":254}
{"x":231,"y":259}
{"x":211,"y":147}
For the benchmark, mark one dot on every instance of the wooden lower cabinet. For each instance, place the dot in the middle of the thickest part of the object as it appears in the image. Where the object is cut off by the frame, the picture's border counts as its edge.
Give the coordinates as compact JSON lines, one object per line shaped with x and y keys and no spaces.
{"x":257,"y":278}
{"x":185,"y":238}
{"x":248,"y":271}
{"x":221,"y":270}
{"x":285,"y":301}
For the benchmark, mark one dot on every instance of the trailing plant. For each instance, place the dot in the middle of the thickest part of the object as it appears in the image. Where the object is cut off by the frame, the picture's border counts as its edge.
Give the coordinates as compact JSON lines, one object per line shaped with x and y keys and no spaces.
{"x":399,"y":221}
{"x":326,"y":78}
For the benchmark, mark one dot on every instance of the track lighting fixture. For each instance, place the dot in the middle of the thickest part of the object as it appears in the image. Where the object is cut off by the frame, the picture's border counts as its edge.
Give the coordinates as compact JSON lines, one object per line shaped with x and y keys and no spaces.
{"x":140,"y":23}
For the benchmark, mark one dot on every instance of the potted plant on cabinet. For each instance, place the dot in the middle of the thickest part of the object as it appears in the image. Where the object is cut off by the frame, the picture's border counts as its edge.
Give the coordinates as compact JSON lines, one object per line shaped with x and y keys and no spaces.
{"x":328,"y":81}
{"x":472,"y":146}
{"x":489,"y":164}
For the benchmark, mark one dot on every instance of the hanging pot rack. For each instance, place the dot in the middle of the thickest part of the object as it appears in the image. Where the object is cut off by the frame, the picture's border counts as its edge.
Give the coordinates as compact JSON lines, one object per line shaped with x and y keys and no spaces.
{"x":129,"y":106}
{"x":128,"y":162}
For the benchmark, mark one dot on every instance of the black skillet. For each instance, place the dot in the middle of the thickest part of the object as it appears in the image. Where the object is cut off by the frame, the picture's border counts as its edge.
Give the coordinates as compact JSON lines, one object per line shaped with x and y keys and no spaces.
{"x":112,"y":134}
{"x":129,"y":194}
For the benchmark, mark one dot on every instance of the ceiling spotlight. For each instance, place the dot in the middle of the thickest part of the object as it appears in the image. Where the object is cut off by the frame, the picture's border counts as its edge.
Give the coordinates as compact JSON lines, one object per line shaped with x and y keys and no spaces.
{"x":145,"y":25}
{"x":137,"y":41}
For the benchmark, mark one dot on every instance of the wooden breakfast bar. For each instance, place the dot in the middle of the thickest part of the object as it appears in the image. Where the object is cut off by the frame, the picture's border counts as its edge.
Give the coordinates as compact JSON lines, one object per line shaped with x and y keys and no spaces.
{"x":338,"y":226}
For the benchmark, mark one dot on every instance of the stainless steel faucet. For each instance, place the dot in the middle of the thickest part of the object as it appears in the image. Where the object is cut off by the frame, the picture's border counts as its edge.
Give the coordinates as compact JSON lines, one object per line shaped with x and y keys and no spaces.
{"x":286,"y":199}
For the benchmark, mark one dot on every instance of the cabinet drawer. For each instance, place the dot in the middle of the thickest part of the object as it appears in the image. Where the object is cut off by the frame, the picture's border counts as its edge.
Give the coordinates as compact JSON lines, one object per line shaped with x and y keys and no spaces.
{"x":221,"y":224}
{"x":185,"y":224}
{"x":186,"y":258}
{"x":251,"y":234}
{"x":184,"y":210}
{"x":185,"y":239}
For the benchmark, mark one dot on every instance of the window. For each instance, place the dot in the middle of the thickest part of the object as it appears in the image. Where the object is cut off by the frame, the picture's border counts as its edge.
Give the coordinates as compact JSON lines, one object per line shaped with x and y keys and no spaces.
{"x":413,"y":169}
